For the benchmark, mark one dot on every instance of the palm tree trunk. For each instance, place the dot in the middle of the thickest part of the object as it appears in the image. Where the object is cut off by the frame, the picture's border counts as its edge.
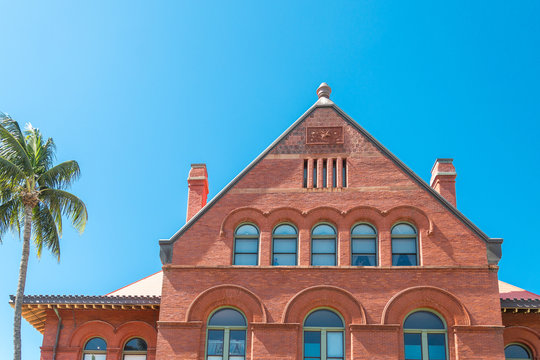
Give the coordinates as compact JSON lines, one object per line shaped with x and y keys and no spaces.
{"x":22,"y":282}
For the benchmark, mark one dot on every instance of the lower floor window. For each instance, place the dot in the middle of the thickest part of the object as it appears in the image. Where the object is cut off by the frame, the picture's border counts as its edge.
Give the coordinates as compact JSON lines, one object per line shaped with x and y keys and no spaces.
{"x":226,"y":338}
{"x":95,"y":349}
{"x":424,"y":337}
{"x":323,"y":336}
{"x":517,"y":352}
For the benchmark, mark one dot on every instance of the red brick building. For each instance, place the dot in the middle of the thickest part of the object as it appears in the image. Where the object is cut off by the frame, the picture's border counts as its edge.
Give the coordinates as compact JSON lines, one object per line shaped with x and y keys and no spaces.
{"x":325,"y":247}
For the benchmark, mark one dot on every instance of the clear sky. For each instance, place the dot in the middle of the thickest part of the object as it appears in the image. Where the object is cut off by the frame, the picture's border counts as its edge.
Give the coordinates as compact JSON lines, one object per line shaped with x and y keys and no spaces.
{"x":137,"y":90}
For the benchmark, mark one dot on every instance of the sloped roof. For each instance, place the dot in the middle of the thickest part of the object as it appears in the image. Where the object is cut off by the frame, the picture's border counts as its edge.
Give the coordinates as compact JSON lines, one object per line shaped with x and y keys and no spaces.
{"x":494,"y":252}
{"x":513,"y":297}
{"x":148,"y":286}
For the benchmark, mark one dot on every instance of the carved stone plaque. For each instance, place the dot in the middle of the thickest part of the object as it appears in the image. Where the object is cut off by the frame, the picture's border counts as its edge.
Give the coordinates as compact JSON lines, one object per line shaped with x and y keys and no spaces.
{"x":324,"y":135}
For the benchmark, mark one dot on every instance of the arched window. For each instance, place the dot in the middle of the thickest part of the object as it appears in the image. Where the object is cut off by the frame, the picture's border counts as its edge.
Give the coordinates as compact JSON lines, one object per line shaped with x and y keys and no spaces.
{"x":364,"y":245}
{"x":95,"y":349}
{"x":424,"y":337}
{"x":404,"y":245}
{"x":517,"y":352}
{"x":135,"y":349}
{"x":323,"y":245}
{"x":226,"y":338}
{"x":284,"y":245}
{"x":323,"y":336}
{"x":246,"y":245}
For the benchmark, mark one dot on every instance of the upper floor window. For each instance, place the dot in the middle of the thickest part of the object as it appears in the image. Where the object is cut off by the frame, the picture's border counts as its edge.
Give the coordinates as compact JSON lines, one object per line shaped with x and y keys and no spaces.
{"x":424,"y":337}
{"x":284,"y":245}
{"x":364,"y":245}
{"x":404,"y":245}
{"x":323,"y":245}
{"x":135,"y":349}
{"x":323,"y":336}
{"x":246,"y":245}
{"x":517,"y":352}
{"x":226,"y":339}
{"x":95,"y":349}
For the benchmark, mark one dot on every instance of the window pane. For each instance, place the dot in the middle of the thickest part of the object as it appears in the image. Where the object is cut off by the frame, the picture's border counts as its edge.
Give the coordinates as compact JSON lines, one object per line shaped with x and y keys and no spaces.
{"x":516,"y":352}
{"x":334,"y":344}
{"x":324,"y":229}
{"x":404,"y":260}
{"x":95,"y":356}
{"x":324,"y":260}
{"x":227,"y":317}
{"x":413,"y":346}
{"x":96,"y":344}
{"x":363,"y":246}
{"x":403,"y":229}
{"x":285,"y":230}
{"x":236,"y":357}
{"x":136,"y":344}
{"x":213,"y":357}
{"x":247,"y":230}
{"x":237,"y":342}
{"x":284,"y":259}
{"x":134,"y":357}
{"x":400,"y":246}
{"x":437,"y":346}
{"x":245,"y":259}
{"x":323,"y":318}
{"x":246,"y":246}
{"x":285,"y":245}
{"x":363,"y":260}
{"x":312,"y":344}
{"x":423,"y":320}
{"x":363,"y":229}
{"x":215,"y":342}
{"x":324,"y":246}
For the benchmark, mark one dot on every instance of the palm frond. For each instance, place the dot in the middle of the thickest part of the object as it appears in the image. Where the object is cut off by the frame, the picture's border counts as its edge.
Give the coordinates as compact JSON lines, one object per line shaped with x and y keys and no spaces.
{"x":13,"y":146}
{"x":45,"y":232}
{"x":10,"y":216}
{"x":70,"y":206}
{"x":61,"y":176}
{"x":10,"y":173}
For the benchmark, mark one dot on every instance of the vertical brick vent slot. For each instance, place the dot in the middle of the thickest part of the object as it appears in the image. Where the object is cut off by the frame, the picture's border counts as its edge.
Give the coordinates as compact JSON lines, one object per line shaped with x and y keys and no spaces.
{"x":325,"y":173}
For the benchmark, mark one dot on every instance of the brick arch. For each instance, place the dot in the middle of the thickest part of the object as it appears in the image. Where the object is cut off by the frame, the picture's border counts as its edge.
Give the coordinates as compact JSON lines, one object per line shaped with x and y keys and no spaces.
{"x":136,"y":329}
{"x":93,"y":328}
{"x":366,"y":214}
{"x":411,"y":214}
{"x":324,"y":214}
{"x":227,"y":295}
{"x":523,"y":335}
{"x":448,"y":305}
{"x":240,"y":215}
{"x":324,"y":296}
{"x":285,"y":214}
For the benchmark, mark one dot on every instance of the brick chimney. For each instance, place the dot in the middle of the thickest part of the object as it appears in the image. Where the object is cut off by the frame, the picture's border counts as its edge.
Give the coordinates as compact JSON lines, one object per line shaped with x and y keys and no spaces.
{"x":198,"y":189}
{"x":443,"y":179}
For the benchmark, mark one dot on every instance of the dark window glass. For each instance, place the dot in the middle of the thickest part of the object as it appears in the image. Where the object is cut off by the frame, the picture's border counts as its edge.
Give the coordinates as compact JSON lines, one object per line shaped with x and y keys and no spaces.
{"x":516,"y":352}
{"x":324,"y":169}
{"x":304,"y":183}
{"x":423,"y":320}
{"x":136,"y":344}
{"x":404,"y":245}
{"x":215,"y":342}
{"x":413,"y":346}
{"x":344,"y":176}
{"x":363,"y":245}
{"x":227,"y":317}
{"x":334,"y":178}
{"x":96,"y":344}
{"x":237,"y":343}
{"x":323,"y":318}
{"x":246,"y":245}
{"x":436,"y":346}
{"x":315,"y":174}
{"x":312,"y":344}
{"x":285,"y":241}
{"x":323,"y":245}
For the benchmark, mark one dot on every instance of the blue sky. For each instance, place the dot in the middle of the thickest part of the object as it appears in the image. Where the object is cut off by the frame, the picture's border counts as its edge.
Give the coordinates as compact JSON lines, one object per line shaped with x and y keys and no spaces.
{"x":136,"y":91}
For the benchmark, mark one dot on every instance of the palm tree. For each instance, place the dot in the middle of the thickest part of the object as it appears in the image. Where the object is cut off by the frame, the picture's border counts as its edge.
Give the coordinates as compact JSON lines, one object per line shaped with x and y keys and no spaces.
{"x":33,"y":195}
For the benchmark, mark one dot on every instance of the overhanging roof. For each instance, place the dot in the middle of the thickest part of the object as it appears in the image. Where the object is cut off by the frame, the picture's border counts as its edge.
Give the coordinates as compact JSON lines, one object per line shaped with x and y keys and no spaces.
{"x":494,"y":252}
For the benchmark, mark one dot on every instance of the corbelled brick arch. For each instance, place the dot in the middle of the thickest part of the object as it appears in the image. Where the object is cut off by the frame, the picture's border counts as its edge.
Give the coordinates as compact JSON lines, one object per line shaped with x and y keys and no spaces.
{"x":138,"y":329}
{"x":242,"y":215}
{"x":91,"y":329}
{"x":324,"y":296}
{"x":227,"y":295}
{"x":523,"y":335}
{"x":410,"y":214}
{"x":442,"y":301}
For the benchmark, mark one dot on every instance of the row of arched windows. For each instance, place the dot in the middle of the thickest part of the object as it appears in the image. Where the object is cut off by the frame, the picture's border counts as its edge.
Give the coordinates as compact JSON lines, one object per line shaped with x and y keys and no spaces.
{"x":364,"y":245}
{"x":96,"y":349}
{"x":424,"y":336}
